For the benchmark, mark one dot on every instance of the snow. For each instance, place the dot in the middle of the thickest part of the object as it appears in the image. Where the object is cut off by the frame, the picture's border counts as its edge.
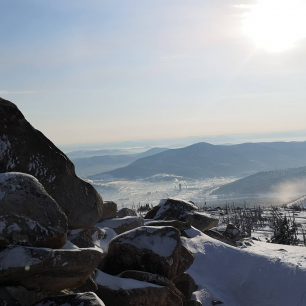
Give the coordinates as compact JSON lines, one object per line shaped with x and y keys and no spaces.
{"x":69,"y":246}
{"x":260,"y":275}
{"x":104,"y":243}
{"x":117,"y":283}
{"x":292,"y":255}
{"x":299,"y":202}
{"x":150,"y":238}
{"x":17,"y":257}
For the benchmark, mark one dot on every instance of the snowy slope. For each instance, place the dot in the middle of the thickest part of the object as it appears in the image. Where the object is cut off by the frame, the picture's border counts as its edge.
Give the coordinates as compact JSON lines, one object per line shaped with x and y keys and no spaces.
{"x":260,"y":275}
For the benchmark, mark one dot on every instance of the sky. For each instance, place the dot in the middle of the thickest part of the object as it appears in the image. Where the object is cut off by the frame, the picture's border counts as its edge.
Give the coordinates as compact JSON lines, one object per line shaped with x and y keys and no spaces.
{"x":100,"y":71}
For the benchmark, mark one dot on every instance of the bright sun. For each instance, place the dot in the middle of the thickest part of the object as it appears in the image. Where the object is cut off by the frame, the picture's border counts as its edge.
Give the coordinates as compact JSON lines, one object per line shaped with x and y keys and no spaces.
{"x":275,"y":25}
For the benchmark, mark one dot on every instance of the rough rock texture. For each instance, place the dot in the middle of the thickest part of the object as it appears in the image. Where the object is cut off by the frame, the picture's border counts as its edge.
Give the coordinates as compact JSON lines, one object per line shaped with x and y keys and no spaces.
{"x":219,"y":236}
{"x":229,"y":234}
{"x":121,"y":225}
{"x":28,"y":215}
{"x":152,"y":249}
{"x":46,"y":269}
{"x":175,"y":209}
{"x":125,"y":212}
{"x":19,"y":296}
{"x":232,"y":232}
{"x":115,"y":290}
{"x":147,"y":277}
{"x":181,"y":226}
{"x":77,"y":299}
{"x":25,"y":149}
{"x":109,"y":210}
{"x":186,"y":285}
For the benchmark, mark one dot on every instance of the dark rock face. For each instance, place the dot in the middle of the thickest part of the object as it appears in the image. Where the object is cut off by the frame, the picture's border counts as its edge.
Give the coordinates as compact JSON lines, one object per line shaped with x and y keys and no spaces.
{"x":125,"y":212}
{"x":19,"y":296}
{"x":186,"y":285}
{"x":147,"y":277}
{"x":175,"y":209}
{"x":46,"y":269}
{"x":28,"y":215}
{"x":109,"y":210}
{"x":229,"y":235}
{"x":77,"y":299}
{"x":25,"y":149}
{"x":152,"y":249}
{"x":131,"y":292}
{"x":121,"y":225}
{"x":181,"y":226}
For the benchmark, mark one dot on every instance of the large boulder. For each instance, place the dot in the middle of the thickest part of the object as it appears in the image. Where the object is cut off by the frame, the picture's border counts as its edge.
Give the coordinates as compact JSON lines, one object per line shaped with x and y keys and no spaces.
{"x":153,"y":249}
{"x":109,"y":210}
{"x":213,"y":233}
{"x":121,"y":225}
{"x":186,"y":285}
{"x":176,"y":209}
{"x":25,"y":149}
{"x":76,"y":299}
{"x":19,"y":296}
{"x":28,"y":215}
{"x":46,"y":269}
{"x":116,"y":290}
{"x":181,"y":226}
{"x":125,"y":212}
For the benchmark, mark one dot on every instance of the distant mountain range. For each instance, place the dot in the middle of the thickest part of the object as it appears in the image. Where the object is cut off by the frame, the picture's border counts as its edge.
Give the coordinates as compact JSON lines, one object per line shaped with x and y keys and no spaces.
{"x":99,"y":152}
{"x":291,"y":180}
{"x":204,"y":160}
{"x":91,"y":165}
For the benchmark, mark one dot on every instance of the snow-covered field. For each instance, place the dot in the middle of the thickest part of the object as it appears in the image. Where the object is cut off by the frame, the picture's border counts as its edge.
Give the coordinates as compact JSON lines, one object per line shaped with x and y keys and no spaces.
{"x":261,"y":274}
{"x":132,"y":193}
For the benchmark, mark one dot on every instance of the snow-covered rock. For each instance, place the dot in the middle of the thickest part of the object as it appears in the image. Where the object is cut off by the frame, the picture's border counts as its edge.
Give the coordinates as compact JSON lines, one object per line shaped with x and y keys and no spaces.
{"x":121,"y":225}
{"x":147,"y":248}
{"x":116,"y":290}
{"x":25,"y":149}
{"x":46,"y":269}
{"x":179,"y":225}
{"x":28,"y":215}
{"x":176,"y":209}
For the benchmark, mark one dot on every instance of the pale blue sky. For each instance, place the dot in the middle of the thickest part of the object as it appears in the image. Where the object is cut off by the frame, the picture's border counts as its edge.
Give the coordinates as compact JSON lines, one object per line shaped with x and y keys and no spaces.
{"x":96,"y":71}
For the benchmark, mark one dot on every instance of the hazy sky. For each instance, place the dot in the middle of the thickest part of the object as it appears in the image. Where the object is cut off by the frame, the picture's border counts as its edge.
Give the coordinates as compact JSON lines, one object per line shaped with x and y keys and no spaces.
{"x":100,"y":71}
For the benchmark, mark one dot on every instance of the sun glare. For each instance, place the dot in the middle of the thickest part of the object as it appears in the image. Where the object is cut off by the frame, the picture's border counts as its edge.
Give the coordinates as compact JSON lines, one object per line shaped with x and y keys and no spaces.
{"x":275,"y":25}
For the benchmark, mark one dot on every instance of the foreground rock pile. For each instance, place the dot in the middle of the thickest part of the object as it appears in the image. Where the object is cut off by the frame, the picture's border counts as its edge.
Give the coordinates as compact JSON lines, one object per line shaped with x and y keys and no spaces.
{"x":60,"y":244}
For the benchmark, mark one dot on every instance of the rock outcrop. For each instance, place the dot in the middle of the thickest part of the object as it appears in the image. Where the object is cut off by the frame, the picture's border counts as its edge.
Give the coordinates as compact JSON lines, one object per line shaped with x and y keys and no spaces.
{"x":152,"y":249}
{"x":55,"y":231}
{"x":46,"y":269}
{"x":28,"y":215}
{"x":175,"y":209}
{"x":131,"y":292}
{"x":125,"y":212}
{"x":25,"y":149}
{"x":121,"y":225}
